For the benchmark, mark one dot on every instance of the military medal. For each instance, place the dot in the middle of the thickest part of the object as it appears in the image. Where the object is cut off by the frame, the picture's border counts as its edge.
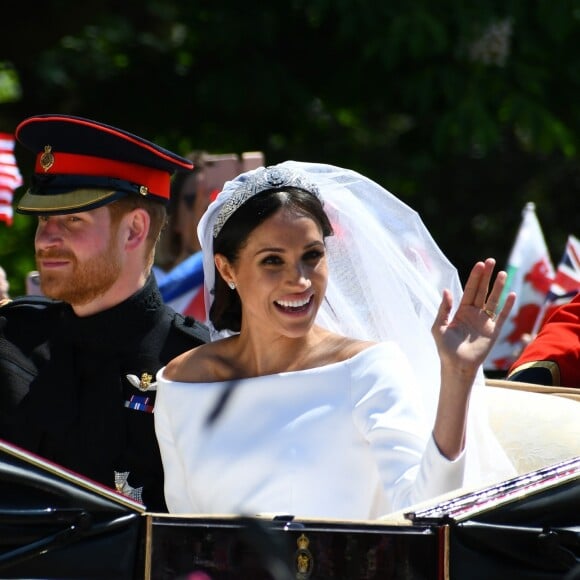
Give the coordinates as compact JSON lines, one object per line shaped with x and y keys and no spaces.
{"x":122,"y":486}
{"x":144,"y":383}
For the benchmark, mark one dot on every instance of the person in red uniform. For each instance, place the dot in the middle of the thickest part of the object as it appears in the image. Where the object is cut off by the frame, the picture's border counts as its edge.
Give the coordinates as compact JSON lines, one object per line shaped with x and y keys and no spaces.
{"x":553,"y":356}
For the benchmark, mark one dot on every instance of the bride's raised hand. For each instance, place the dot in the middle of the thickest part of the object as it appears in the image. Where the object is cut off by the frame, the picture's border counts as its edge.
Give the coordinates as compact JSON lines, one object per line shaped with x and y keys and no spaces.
{"x":465,"y":340}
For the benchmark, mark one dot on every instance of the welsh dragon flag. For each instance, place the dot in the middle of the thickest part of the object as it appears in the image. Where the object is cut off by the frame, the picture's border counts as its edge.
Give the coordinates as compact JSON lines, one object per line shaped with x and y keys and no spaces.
{"x":530,"y":274}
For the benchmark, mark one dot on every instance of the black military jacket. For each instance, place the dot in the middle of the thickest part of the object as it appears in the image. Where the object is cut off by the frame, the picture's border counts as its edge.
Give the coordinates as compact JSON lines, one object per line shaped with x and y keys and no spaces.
{"x":81,"y":391}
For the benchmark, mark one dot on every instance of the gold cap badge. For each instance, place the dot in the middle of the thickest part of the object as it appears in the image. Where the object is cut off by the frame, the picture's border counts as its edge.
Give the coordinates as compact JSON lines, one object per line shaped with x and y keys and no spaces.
{"x":47,"y":158}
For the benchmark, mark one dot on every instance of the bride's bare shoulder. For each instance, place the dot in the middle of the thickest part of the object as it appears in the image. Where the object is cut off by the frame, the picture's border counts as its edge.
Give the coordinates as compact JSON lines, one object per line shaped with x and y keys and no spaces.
{"x":340,"y":348}
{"x":352,"y":347}
{"x":204,"y":363}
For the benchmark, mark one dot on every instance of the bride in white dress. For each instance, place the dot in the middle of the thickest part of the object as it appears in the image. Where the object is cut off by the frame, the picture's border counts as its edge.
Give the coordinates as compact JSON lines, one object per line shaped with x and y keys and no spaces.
{"x":344,"y":358}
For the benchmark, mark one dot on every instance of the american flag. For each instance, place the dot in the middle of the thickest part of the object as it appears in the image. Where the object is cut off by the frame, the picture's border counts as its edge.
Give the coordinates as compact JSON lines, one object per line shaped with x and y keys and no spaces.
{"x":10,"y":177}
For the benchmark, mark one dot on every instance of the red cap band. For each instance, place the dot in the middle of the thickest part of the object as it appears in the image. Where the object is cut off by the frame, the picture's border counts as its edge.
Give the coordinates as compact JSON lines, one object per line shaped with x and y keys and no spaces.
{"x":157,"y":181}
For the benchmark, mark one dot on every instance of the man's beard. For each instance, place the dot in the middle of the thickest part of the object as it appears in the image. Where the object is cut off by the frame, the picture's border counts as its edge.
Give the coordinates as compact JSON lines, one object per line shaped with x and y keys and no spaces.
{"x":86,"y":281}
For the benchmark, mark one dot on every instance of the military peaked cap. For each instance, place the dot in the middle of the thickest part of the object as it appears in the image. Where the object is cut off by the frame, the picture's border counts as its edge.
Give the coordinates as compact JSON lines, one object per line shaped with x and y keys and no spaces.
{"x":82,"y":164}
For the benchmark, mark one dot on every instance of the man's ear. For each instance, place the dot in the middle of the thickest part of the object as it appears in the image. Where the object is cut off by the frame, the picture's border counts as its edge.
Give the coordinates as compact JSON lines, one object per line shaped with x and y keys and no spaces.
{"x":138,"y":222}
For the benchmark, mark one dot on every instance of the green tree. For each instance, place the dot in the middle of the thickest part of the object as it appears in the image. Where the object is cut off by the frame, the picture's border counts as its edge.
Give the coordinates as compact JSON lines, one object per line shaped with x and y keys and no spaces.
{"x":466,"y":111}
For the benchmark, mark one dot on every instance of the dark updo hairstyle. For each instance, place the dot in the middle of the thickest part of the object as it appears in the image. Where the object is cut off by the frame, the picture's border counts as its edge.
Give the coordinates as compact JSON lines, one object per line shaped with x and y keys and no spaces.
{"x":226,"y":309}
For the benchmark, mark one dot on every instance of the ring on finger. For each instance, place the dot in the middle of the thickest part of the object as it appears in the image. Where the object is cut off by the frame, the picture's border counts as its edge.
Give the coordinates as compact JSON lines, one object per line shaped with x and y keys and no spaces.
{"x":490,"y":313}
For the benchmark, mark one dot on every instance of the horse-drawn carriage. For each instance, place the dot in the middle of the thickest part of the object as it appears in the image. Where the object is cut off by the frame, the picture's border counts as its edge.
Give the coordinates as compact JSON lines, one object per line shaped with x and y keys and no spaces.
{"x":57,"y":524}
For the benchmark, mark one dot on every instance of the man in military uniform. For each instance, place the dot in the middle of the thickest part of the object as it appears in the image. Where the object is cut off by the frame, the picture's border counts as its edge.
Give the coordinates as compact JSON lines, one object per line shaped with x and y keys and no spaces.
{"x":78,"y":366}
{"x":553,"y":356}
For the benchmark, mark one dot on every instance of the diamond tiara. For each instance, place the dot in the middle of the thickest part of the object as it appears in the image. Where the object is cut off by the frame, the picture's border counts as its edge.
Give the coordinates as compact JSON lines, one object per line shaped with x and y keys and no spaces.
{"x":273,"y":177}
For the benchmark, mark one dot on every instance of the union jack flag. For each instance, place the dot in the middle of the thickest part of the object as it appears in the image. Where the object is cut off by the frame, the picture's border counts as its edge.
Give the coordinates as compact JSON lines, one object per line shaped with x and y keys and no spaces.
{"x":566,"y":282}
{"x":567,"y":277}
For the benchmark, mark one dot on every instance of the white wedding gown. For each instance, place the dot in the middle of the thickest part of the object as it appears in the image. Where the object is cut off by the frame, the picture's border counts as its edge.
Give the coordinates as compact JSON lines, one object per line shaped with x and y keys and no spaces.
{"x":347,"y":440}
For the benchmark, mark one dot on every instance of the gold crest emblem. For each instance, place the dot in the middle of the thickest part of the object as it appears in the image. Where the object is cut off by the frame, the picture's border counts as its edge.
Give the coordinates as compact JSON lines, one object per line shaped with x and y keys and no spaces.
{"x":47,"y":158}
{"x":303,"y":559}
{"x":145,"y":381}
